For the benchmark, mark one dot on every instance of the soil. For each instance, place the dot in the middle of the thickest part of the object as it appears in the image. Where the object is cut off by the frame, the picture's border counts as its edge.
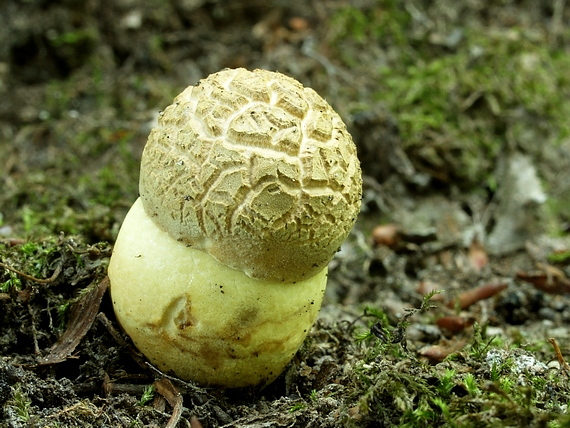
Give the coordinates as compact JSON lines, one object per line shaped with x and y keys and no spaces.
{"x":447,"y":306}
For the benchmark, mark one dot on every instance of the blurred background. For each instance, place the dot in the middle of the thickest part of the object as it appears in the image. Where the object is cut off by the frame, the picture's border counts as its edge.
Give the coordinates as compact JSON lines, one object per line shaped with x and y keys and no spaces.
{"x":440,"y":96}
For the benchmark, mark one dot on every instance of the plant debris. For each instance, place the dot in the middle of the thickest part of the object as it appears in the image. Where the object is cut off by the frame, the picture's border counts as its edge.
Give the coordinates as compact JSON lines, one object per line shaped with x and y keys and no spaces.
{"x":549,"y":279}
{"x":474,"y":295}
{"x":173,"y":396}
{"x":81,"y":318}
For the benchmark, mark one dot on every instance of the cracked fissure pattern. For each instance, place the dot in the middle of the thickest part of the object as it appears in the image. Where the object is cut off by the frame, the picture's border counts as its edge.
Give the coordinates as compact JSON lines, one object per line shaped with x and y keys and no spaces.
{"x":255,"y":169}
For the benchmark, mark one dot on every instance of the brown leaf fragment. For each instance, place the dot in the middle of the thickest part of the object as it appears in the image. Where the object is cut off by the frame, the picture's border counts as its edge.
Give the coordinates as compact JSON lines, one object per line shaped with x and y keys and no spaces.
{"x":386,"y":234}
{"x":427,"y":287}
{"x":12,"y":242}
{"x":454,"y":323}
{"x":173,"y":396}
{"x":549,"y":279}
{"x":469,"y":297}
{"x":478,"y":258}
{"x":81,"y":318}
{"x":298,"y":23}
{"x":195,"y":423}
{"x":159,"y":403}
{"x":106,"y":385}
{"x":438,"y":353}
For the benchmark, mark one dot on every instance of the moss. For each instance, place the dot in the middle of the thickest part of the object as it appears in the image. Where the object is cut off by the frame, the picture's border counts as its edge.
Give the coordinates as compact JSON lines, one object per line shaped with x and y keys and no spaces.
{"x":459,"y":106}
{"x":148,"y":394}
{"x":473,"y":102}
{"x":490,"y":383}
{"x":21,"y":404}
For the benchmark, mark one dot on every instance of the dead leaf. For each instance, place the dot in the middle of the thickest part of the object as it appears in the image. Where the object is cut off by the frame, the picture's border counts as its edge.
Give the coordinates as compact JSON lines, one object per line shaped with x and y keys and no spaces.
{"x":438,"y":353}
{"x":195,"y":423}
{"x":454,"y":323}
{"x":298,"y":23}
{"x":469,"y":297}
{"x":386,"y":234}
{"x":82,"y":316}
{"x":478,"y":258}
{"x":171,"y":394}
{"x":550,"y":279}
{"x":427,"y":287}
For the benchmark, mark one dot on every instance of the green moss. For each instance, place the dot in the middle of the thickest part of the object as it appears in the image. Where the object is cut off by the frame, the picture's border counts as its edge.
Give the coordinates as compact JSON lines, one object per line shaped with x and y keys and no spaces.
{"x":459,"y":110}
{"x":12,"y":283}
{"x":385,"y":22}
{"x":21,"y":405}
{"x":446,"y":383}
{"x":393,"y":388}
{"x":148,"y":395}
{"x":297,"y":407}
{"x":458,"y":107}
{"x":471,"y":385}
{"x":559,"y":257}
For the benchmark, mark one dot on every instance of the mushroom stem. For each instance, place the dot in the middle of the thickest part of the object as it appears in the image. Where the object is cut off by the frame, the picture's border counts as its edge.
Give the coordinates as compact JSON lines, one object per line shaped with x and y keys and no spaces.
{"x":220,"y":326}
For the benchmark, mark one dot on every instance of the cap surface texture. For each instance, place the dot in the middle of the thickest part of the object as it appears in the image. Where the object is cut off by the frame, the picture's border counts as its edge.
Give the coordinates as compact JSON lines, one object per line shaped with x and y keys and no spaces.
{"x":256,"y":170}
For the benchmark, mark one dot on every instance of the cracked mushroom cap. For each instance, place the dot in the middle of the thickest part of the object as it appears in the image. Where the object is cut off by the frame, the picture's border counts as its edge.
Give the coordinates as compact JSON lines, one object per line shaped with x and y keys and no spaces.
{"x":256,"y":170}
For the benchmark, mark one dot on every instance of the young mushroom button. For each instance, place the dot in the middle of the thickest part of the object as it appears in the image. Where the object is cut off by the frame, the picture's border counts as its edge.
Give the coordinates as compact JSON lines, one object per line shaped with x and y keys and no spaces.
{"x":249,"y":185}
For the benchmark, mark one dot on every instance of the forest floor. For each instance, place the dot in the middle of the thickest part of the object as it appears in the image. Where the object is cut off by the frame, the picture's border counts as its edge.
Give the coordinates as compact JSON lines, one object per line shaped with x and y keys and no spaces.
{"x":447,"y":306}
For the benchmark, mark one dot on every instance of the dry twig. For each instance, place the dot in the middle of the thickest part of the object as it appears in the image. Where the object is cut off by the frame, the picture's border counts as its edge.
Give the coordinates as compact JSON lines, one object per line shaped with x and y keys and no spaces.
{"x":51,"y":279}
{"x":174,"y":398}
{"x":564,"y":367}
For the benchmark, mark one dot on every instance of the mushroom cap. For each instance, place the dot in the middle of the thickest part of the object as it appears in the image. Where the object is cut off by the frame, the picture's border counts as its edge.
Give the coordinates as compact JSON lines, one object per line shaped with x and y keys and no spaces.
{"x":256,"y":170}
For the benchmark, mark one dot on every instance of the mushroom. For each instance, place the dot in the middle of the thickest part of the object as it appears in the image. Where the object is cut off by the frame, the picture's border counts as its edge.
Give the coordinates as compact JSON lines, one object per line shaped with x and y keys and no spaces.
{"x":249,"y":185}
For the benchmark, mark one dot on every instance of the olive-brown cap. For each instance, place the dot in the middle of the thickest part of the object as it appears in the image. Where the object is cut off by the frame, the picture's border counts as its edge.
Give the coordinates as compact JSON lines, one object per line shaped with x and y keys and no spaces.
{"x":255,"y":169}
